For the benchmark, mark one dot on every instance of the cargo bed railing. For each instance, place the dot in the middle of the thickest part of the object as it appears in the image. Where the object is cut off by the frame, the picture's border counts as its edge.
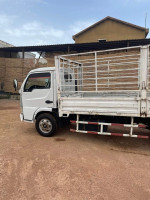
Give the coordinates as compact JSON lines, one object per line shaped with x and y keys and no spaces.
{"x":101,"y":70}
{"x":120,"y":76}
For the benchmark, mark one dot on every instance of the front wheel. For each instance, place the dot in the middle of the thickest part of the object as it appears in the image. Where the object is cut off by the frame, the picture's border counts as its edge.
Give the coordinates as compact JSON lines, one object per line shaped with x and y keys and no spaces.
{"x":46,"y":125}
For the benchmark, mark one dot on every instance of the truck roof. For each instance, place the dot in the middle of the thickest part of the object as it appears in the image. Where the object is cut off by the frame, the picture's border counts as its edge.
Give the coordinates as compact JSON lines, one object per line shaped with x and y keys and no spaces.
{"x":43,"y":69}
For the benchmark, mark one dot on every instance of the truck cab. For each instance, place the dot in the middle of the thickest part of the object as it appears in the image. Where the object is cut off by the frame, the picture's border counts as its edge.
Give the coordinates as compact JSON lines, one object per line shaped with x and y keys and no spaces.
{"x":38,"y":98}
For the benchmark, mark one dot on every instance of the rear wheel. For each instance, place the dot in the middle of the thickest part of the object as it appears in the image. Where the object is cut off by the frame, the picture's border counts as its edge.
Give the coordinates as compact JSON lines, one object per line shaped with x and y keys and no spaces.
{"x":46,"y":125}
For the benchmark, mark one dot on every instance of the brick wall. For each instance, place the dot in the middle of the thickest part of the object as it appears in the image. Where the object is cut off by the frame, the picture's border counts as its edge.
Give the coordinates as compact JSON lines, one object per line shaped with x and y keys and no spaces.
{"x":15,"y":68}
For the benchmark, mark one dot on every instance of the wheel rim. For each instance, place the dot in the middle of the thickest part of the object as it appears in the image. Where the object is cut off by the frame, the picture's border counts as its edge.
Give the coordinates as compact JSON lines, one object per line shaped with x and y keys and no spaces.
{"x":45,"y":125}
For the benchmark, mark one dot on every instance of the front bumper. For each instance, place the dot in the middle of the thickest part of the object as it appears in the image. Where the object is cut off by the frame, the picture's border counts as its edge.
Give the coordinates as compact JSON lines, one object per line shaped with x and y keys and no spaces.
{"x":25,"y":120}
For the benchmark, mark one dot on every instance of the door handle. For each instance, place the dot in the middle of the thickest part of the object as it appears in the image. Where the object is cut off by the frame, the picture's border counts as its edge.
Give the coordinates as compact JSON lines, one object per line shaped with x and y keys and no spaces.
{"x":48,"y":101}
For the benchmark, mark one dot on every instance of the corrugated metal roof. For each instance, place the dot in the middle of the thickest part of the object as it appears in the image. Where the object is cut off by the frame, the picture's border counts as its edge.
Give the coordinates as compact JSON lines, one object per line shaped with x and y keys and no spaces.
{"x":78,"y":47}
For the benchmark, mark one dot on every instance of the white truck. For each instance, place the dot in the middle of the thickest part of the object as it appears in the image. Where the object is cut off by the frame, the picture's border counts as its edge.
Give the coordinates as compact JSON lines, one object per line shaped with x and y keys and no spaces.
{"x":96,"y":89}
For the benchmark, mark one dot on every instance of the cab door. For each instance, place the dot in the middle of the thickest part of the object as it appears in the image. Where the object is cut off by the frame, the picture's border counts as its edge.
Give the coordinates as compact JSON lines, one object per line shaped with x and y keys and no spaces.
{"x":37,"y":93}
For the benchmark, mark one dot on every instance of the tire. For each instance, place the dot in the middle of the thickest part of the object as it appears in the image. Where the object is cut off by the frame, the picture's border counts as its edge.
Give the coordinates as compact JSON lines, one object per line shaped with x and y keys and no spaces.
{"x":46,"y":125}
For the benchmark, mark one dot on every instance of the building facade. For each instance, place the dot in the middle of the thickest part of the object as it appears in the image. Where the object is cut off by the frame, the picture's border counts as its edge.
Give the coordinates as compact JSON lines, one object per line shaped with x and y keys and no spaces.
{"x":111,"y":29}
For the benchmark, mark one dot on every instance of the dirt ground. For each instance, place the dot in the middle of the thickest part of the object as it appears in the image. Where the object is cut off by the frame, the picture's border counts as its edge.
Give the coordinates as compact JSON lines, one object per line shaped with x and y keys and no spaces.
{"x":69,"y":166}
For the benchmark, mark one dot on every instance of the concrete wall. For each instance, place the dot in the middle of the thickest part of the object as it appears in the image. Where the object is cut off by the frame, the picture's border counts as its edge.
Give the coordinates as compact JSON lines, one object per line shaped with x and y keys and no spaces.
{"x":110,"y":30}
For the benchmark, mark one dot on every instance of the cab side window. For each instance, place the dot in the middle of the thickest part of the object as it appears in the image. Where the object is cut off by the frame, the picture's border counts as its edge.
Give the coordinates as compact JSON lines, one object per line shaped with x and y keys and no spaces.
{"x":38,"y":81}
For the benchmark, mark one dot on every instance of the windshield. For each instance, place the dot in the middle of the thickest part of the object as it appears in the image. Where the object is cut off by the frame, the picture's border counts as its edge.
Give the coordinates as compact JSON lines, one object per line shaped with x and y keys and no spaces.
{"x":38,"y":81}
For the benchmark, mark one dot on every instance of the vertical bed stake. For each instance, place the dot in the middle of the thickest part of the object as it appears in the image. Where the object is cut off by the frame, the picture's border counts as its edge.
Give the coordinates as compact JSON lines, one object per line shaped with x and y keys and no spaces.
{"x":101,"y":128}
{"x":131,"y":129}
{"x":77,"y":127}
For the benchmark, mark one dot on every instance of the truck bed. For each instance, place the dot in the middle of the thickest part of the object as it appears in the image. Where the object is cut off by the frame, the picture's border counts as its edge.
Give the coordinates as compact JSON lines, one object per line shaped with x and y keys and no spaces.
{"x":111,"y":82}
{"x":121,"y":104}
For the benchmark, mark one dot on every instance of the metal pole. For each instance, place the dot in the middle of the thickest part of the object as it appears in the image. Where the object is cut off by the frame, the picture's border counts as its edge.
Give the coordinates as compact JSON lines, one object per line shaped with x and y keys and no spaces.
{"x":131,"y":129}
{"x":96,"y":70}
{"x":108,"y":73}
{"x":77,"y":122}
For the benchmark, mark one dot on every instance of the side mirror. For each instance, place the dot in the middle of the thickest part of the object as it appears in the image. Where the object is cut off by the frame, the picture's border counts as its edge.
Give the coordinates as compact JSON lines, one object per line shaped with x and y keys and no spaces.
{"x":15,"y":84}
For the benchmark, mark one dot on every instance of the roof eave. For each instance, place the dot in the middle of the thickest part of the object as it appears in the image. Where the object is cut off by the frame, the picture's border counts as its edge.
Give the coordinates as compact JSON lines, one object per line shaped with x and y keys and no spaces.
{"x":73,"y":37}
{"x":146,"y":31}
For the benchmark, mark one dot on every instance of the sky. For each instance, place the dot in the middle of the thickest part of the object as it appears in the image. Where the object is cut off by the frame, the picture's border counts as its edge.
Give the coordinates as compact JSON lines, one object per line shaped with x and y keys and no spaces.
{"x":41,"y":22}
